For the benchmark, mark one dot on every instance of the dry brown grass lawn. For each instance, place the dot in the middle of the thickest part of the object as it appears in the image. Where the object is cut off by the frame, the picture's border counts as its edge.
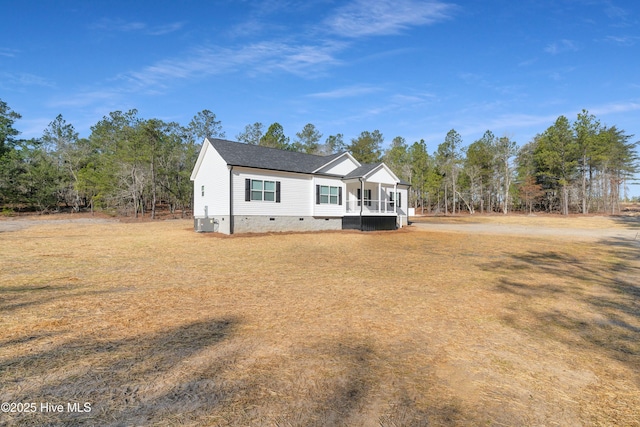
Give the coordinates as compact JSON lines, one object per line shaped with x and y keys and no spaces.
{"x":153,"y":324}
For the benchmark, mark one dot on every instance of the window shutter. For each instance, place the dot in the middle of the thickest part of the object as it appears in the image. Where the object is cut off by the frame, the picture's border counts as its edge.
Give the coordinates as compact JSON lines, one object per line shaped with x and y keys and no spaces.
{"x":340,"y":196}
{"x":247,"y":190}
{"x":317,"y":194}
{"x":277,"y":191}
{"x":399,"y":199}
{"x":359,"y":197}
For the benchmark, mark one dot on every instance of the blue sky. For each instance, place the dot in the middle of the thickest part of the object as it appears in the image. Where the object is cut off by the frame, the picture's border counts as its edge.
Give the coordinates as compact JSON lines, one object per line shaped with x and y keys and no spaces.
{"x":408,"y":68}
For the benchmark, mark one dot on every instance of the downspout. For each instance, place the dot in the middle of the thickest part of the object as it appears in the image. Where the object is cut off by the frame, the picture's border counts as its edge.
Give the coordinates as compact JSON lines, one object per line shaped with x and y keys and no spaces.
{"x":231,"y":199}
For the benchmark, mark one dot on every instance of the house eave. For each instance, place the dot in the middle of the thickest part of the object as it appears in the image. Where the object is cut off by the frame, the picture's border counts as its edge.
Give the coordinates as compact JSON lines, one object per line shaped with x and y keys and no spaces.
{"x":287,"y":171}
{"x":196,"y":168}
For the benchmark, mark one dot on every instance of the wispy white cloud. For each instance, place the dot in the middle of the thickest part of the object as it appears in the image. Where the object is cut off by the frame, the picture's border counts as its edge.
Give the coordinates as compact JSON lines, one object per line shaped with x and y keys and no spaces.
{"x":308,"y":59}
{"x":15,"y":81}
{"x":615,"y":12}
{"x":527,"y":62}
{"x":86,"y":98}
{"x":517,"y":121}
{"x":559,"y":74}
{"x":615,"y":107}
{"x":10,"y":53}
{"x":527,"y":125}
{"x":561,"y":46}
{"x":384,"y":17}
{"x":522,"y":126}
{"x":252,"y":59}
{"x":623,"y":40}
{"x":345,"y":92}
{"x":480,"y":81}
{"x":165,"y":29}
{"x":120,"y":25}
{"x":401,"y":99}
{"x":247,"y":28}
{"x":302,"y":60}
{"x":259,"y":17}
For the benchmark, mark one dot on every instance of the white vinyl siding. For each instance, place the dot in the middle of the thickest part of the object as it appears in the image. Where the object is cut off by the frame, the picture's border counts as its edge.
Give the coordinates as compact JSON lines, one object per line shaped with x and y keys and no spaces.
{"x":212,"y":181}
{"x":328,"y":209}
{"x":296,"y":193}
{"x":341,"y":166}
{"x":404,"y":201}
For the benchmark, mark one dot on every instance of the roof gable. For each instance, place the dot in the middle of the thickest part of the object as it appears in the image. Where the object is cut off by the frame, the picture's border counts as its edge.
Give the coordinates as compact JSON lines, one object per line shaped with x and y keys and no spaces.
{"x":382,"y":173}
{"x":203,"y":152}
{"x":371,"y":170}
{"x":339,"y":165}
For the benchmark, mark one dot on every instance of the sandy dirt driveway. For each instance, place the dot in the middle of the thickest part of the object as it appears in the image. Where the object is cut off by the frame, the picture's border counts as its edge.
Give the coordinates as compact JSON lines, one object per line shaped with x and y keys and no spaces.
{"x":627,"y":230}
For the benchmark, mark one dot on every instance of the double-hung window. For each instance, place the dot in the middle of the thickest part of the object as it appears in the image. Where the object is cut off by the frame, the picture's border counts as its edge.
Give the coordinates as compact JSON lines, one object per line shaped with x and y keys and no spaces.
{"x":262,"y":190}
{"x":328,"y":195}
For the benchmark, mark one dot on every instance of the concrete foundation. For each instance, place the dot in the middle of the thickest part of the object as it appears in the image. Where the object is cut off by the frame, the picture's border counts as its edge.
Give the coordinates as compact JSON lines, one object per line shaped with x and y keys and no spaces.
{"x":263,"y":224}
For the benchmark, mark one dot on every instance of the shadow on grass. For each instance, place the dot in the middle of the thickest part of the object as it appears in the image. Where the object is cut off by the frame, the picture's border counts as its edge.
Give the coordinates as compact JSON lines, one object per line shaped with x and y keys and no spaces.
{"x":349,"y":393}
{"x":632,"y":222}
{"x":606,"y":295}
{"x":203,"y":373}
{"x":190,"y":375}
{"x":16,"y":298}
{"x":134,"y":381}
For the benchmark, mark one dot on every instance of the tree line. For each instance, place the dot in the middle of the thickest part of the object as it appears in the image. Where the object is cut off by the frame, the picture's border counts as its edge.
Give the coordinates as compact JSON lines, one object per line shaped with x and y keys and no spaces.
{"x":133,"y":166}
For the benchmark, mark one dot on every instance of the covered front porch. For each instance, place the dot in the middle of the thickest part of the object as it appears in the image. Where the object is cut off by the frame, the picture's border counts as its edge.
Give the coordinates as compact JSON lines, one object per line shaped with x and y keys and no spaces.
{"x":371,"y":198}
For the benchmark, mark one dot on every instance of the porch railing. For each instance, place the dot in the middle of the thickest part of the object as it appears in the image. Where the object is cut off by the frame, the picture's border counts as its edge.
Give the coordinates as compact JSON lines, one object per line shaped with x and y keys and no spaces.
{"x":370,"y":206}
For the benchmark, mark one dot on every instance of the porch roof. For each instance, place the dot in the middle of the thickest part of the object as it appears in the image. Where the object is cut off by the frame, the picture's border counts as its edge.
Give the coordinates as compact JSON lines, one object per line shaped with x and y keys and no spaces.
{"x":366,"y":169}
{"x":362,"y":171}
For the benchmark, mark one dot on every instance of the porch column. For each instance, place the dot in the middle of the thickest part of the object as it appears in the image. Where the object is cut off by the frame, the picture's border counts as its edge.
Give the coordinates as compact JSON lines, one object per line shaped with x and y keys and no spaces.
{"x":361,"y":195}
{"x":395,"y":198}
{"x":380,"y":198}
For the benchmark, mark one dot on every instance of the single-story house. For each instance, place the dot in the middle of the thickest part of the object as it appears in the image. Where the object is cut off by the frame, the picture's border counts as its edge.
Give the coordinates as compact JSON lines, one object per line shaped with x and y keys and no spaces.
{"x":240,"y":188}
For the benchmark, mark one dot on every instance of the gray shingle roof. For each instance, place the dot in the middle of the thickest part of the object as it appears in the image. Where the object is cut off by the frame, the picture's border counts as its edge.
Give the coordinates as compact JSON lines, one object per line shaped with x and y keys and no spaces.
{"x":256,"y":156}
{"x":365,"y":169}
{"x":362,"y":170}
